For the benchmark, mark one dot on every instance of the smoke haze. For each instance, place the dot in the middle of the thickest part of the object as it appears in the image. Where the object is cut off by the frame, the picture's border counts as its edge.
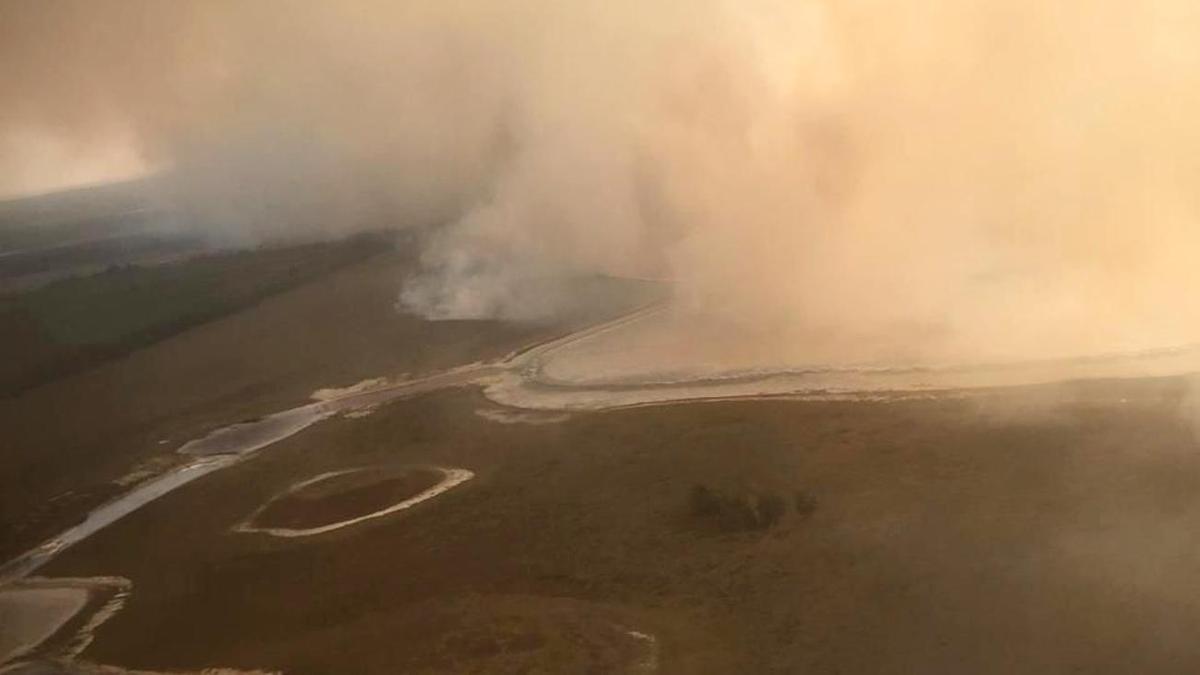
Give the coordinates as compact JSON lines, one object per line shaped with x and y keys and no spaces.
{"x":942,"y":178}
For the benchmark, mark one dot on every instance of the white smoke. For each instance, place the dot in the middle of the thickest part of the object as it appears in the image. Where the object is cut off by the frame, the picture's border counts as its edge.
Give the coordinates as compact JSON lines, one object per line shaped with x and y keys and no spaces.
{"x":976,"y":177}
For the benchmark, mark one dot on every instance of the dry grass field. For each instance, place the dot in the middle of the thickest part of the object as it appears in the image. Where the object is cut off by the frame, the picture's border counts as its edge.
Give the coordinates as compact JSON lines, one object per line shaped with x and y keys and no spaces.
{"x":67,"y":440}
{"x":942,"y":536}
{"x":1033,"y":530}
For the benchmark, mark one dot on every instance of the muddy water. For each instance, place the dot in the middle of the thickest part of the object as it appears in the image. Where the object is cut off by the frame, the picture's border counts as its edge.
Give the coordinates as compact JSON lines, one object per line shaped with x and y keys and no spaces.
{"x":111,"y":512}
{"x":28,"y":616}
{"x":246,"y":437}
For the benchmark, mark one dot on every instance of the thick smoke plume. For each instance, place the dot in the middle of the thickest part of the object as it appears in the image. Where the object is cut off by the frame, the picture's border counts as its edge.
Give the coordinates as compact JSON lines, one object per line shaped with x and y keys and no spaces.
{"x":976,"y":178}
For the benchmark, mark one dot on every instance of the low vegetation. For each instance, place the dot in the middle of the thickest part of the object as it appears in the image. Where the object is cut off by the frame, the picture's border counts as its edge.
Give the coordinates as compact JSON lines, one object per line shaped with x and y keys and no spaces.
{"x":744,"y":510}
{"x":76,"y":323}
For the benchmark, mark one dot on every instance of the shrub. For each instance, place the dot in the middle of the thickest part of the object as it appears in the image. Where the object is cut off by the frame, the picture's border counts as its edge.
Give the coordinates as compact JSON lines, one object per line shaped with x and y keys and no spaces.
{"x":771,"y":508}
{"x":804,"y":504}
{"x":739,"y":512}
{"x":704,"y":502}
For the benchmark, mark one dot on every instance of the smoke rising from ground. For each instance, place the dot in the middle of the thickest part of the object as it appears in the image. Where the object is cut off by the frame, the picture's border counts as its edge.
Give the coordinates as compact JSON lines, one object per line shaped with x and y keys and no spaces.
{"x":969,"y":178}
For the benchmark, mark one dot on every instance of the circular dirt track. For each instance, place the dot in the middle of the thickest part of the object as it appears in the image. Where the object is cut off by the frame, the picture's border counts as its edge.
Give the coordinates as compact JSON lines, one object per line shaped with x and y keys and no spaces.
{"x":339,"y":499}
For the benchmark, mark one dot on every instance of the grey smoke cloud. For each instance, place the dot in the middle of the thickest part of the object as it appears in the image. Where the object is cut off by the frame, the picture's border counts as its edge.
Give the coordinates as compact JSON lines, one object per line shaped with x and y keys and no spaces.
{"x":977,"y":178}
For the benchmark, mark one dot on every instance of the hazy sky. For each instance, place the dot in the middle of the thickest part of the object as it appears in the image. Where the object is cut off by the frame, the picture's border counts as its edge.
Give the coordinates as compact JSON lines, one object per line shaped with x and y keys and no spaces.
{"x":1012,"y":175}
{"x":35,"y":163}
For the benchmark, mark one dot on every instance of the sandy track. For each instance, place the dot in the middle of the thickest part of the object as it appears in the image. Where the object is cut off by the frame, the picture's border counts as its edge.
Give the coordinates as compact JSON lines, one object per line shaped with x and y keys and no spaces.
{"x":451,"y":478}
